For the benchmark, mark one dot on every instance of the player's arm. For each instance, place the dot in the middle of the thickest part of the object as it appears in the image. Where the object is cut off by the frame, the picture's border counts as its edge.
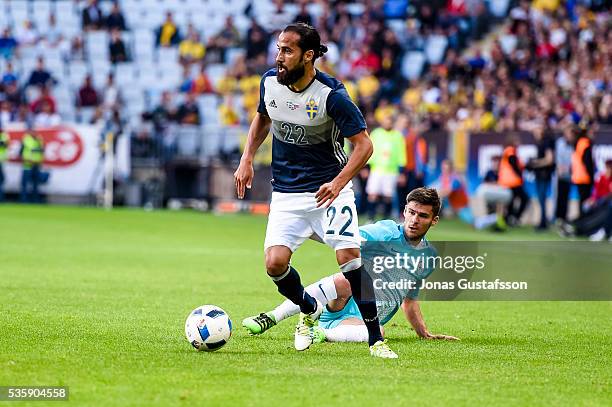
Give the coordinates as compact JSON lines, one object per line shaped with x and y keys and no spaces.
{"x":260,"y":126}
{"x":412,"y":311}
{"x":362,"y":150}
{"x":352,"y":127}
{"x":243,"y":177}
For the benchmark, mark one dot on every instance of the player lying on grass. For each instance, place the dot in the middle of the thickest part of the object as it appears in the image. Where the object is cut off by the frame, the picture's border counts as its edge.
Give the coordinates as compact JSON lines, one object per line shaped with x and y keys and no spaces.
{"x":341,"y":320}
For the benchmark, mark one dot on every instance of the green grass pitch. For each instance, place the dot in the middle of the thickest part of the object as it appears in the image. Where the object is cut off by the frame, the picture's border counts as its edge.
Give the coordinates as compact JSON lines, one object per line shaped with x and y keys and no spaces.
{"x":97,"y":301}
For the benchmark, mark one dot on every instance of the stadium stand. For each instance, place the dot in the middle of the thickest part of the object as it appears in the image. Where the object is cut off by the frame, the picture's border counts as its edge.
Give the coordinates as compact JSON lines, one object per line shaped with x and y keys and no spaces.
{"x":469,"y":65}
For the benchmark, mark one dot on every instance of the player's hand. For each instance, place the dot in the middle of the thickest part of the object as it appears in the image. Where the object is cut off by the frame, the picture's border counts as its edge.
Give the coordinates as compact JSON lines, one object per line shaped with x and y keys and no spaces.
{"x":327,"y":194}
{"x":243,"y":178}
{"x":440,"y":336}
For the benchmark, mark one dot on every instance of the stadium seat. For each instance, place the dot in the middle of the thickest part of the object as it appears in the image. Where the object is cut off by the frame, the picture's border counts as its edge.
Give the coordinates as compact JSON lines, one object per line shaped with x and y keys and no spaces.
{"x":172,"y":5}
{"x":215,"y":73}
{"x":132,"y":13}
{"x":413,"y":63}
{"x":435,"y":48}
{"x":167,"y":55}
{"x":67,"y":19}
{"x":355,"y":9}
{"x":124,"y":74}
{"x":231,"y":54}
{"x":64,"y":98}
{"x":51,"y":54}
{"x":213,"y":138}
{"x":188,"y":141}
{"x":96,"y":45}
{"x":28,"y":53}
{"x":499,"y":8}
{"x":19,"y":12}
{"x":508,"y":43}
{"x":398,"y":26}
{"x":85,"y":114}
{"x":77,"y":71}
{"x":143,"y":46}
{"x":315,"y":9}
{"x":152,"y":18}
{"x":56,"y":68}
{"x":100,"y":70}
{"x":40,"y":15}
{"x":209,"y":109}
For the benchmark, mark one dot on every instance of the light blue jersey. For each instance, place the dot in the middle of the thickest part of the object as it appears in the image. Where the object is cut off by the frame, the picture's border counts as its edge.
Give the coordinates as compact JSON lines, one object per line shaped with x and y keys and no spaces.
{"x":386,"y":239}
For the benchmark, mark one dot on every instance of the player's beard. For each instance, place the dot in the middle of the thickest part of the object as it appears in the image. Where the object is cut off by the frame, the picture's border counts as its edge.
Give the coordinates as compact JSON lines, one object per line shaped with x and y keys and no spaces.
{"x":289,"y":77}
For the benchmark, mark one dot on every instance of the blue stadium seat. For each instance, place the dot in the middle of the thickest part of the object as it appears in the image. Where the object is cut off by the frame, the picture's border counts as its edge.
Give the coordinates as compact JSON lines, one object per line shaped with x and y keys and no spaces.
{"x":435,"y":47}
{"x":413,"y":63}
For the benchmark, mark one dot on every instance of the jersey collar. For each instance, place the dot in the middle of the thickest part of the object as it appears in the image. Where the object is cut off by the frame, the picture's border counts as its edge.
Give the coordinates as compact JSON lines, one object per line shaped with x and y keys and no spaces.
{"x":307,"y":86}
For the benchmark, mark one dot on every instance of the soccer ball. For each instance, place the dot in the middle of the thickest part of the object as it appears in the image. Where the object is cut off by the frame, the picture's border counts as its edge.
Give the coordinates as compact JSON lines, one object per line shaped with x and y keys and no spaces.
{"x":208,"y":328}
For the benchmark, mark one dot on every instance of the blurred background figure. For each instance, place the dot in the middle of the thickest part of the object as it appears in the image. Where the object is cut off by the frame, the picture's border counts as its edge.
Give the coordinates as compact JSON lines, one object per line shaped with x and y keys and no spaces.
{"x":596,"y":219}
{"x":168,"y":33}
{"x":495,"y":197}
{"x":511,"y":177}
{"x":543,"y":166}
{"x":451,"y":188}
{"x":92,"y":17}
{"x":4,"y":140}
{"x":386,"y":165}
{"x":583,"y":167}
{"x":564,"y":148}
{"x":32,"y":156}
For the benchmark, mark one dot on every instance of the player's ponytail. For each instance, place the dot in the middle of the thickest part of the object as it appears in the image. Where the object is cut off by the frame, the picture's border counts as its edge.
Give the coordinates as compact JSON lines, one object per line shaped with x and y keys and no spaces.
{"x":322,"y":50}
{"x":309,"y":39}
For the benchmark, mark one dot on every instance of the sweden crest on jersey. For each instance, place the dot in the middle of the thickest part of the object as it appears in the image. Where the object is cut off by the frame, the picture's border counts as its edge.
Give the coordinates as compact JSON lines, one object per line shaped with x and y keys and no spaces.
{"x":312,"y":108}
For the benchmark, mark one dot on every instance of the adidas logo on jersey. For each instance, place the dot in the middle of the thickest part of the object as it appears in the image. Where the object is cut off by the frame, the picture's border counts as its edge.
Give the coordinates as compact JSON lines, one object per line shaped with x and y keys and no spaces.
{"x":272,"y":103}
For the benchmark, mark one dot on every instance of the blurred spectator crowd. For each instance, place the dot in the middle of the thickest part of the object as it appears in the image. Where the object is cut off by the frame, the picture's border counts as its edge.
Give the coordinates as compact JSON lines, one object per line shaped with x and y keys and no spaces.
{"x":160,"y":72}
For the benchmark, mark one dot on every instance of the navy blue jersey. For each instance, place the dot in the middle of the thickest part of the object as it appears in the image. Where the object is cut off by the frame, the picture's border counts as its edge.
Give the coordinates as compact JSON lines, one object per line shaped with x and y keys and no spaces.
{"x":308,"y":129}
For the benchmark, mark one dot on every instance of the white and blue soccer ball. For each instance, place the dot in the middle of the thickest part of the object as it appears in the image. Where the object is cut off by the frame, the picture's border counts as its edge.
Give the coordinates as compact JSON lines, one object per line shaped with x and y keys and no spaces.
{"x":208,"y":328}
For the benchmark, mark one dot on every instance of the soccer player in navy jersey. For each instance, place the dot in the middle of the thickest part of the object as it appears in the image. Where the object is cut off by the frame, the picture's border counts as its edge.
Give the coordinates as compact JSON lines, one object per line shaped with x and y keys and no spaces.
{"x":310,"y":114}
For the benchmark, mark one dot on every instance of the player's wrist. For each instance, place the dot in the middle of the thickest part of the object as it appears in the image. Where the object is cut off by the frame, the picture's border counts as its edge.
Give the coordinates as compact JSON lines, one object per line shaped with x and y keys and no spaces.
{"x":246,"y":160}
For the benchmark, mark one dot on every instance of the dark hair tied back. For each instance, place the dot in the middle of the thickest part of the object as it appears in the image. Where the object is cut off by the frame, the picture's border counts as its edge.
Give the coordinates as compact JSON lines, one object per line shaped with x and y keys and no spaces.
{"x":322,"y":50}
{"x":309,"y":39}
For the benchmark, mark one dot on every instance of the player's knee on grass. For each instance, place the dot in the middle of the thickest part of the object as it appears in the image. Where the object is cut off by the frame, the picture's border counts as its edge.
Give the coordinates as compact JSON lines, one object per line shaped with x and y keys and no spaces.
{"x":343,"y":287}
{"x":343,"y":256}
{"x":277,"y":260}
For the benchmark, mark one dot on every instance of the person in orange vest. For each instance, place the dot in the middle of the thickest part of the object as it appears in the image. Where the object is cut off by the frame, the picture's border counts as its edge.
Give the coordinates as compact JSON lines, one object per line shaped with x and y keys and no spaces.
{"x":511,"y":176}
{"x":583,"y":168}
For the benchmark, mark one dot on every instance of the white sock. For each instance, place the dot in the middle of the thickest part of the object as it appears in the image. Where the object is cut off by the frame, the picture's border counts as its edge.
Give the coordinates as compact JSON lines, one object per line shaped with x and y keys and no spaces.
{"x":485,"y":221}
{"x":323,"y":290}
{"x":347,"y":333}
